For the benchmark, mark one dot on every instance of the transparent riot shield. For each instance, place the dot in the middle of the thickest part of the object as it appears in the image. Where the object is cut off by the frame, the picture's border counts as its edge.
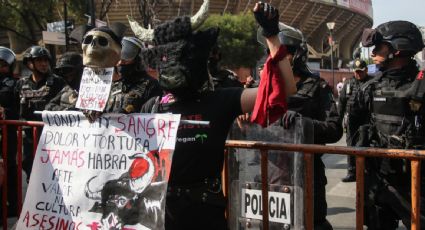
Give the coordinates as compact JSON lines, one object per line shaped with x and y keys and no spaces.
{"x":285,"y":177}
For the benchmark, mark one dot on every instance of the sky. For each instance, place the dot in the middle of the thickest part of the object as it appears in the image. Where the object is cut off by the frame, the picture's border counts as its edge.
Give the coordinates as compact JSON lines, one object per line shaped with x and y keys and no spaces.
{"x":390,"y":10}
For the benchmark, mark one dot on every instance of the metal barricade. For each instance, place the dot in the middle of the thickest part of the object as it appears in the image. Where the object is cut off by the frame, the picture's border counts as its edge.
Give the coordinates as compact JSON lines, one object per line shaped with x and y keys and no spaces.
{"x":308,"y":149}
{"x":19,"y":124}
{"x":414,"y":155}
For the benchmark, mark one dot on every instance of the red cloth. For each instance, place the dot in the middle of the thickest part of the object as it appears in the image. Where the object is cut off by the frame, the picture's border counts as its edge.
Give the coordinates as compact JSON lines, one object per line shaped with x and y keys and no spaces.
{"x":271,"y":97}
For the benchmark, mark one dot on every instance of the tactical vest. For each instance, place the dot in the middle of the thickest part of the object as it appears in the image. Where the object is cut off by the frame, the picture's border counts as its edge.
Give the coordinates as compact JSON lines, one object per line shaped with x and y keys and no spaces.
{"x":352,"y":89}
{"x":124,"y":98}
{"x":397,"y":122}
{"x":34,"y":99}
{"x":306,"y":101}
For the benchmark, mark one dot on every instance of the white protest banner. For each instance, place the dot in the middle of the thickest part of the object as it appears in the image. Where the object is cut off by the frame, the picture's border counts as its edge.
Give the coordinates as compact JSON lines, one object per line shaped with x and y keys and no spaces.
{"x":110,"y":174}
{"x":94,"y":88}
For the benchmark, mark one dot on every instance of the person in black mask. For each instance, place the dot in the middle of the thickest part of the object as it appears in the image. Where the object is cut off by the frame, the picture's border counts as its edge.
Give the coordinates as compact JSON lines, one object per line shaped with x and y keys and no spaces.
{"x":393,"y":101}
{"x":8,"y":111}
{"x":133,"y":86}
{"x":70,"y":67}
{"x":194,"y":193}
{"x":33,"y":92}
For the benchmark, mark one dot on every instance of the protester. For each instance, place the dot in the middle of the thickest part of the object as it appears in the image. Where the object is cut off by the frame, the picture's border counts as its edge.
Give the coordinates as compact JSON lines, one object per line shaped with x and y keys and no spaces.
{"x":8,"y":111}
{"x":33,"y":92}
{"x":349,"y":108}
{"x":197,"y":165}
{"x":70,"y":67}
{"x":393,"y":100}
{"x":314,"y":100}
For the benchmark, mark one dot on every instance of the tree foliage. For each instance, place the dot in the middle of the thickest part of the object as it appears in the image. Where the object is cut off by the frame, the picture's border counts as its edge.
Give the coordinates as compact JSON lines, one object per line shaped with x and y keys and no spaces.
{"x":26,"y":18}
{"x":237,"y":39}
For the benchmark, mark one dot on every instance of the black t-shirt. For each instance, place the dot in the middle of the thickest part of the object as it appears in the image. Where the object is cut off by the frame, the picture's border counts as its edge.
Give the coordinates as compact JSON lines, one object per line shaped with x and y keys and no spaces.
{"x":199,"y":149}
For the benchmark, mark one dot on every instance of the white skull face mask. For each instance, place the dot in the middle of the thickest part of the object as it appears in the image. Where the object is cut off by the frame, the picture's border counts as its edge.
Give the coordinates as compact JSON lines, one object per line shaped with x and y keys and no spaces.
{"x":100,"y":50}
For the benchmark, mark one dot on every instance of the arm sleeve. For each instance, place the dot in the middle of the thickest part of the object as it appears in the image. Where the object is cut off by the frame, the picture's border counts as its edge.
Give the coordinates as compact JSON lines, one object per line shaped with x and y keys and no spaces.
{"x":329,"y":130}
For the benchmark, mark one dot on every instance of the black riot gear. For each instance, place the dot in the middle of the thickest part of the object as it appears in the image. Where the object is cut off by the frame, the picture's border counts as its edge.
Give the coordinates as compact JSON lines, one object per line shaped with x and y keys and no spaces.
{"x":295,"y":42}
{"x":131,"y":48}
{"x":403,"y":36}
{"x":36,"y":52}
{"x":69,"y":60}
{"x":393,"y":101}
{"x":8,"y":56}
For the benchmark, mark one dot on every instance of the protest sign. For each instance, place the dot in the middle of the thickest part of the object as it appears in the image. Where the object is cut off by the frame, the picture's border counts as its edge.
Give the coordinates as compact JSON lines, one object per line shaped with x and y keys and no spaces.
{"x":110,"y":174}
{"x":94,"y":88}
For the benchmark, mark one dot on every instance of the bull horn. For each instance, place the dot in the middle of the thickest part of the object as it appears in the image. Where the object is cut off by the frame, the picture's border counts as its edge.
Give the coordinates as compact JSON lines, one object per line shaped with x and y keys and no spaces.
{"x":143,"y":34}
{"x":202,"y":14}
{"x":90,"y":194}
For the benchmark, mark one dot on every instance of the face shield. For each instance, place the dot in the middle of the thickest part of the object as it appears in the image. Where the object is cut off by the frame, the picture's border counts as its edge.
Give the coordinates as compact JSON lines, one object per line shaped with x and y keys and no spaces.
{"x":371,"y":37}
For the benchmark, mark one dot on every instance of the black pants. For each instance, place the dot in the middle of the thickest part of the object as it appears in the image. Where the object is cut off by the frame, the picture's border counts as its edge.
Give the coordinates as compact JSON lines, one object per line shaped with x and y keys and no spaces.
{"x":388,"y":200}
{"x":320,"y":204}
{"x":28,"y":144}
{"x":12,"y":171}
{"x":186,"y":212}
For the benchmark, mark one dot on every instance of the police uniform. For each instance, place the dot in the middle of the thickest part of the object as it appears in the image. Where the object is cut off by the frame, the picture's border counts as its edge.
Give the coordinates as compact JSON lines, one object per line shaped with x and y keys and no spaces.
{"x":394,"y":100}
{"x":314,"y":100}
{"x":33,"y":96}
{"x":129,"y":94}
{"x":7,"y":84}
{"x":349,"y":105}
{"x":395,"y":123}
{"x":66,"y":99}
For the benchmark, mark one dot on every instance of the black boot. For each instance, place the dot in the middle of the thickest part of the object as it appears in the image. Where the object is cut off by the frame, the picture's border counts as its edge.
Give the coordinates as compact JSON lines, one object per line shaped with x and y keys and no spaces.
{"x":351,"y":177}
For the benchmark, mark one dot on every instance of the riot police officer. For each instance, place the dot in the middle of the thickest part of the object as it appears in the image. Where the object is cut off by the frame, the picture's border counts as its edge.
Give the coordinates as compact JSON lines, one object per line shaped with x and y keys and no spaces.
{"x":313,"y":99}
{"x":221,"y":78}
{"x":8,"y":111}
{"x":33,"y":92}
{"x":348,"y":106}
{"x":70,"y":67}
{"x":134,"y":86}
{"x":394,"y":100}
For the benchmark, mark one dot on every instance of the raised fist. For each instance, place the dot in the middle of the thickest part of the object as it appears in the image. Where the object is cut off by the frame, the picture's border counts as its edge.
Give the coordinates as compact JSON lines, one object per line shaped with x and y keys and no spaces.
{"x":267,"y":17}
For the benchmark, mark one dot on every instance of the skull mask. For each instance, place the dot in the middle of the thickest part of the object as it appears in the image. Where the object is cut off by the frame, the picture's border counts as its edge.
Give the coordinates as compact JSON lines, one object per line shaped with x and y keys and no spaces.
{"x":101,"y":48}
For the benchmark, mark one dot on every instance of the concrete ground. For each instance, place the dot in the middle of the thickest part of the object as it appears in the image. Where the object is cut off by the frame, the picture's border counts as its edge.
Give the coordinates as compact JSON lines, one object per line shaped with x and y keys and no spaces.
{"x":340,"y":196}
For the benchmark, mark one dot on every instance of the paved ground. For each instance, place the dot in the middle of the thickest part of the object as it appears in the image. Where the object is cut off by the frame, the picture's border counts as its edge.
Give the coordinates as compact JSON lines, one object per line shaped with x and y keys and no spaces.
{"x":340,"y":196}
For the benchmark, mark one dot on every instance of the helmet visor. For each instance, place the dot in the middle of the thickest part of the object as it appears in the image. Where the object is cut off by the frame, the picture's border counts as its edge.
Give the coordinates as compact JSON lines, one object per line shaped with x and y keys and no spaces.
{"x":371,"y":37}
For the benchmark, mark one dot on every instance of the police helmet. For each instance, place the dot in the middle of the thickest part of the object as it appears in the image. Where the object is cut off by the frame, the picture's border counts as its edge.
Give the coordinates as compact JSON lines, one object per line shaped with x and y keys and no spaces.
{"x":403,"y":36}
{"x":8,"y":56}
{"x":36,"y":52}
{"x":69,"y":60}
{"x":131,"y":47}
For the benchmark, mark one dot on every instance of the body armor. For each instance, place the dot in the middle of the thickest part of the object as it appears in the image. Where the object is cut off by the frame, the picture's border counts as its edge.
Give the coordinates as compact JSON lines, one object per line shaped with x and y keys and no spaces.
{"x":34,"y":97}
{"x":307,"y":100}
{"x":128,"y":96}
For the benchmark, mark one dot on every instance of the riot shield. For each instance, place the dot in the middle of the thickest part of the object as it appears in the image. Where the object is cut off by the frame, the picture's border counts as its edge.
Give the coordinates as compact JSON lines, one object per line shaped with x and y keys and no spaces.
{"x":285,"y":177}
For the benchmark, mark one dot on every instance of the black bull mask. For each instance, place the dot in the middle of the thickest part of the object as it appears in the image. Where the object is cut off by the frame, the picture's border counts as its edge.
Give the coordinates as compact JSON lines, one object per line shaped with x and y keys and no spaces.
{"x":180,"y":55}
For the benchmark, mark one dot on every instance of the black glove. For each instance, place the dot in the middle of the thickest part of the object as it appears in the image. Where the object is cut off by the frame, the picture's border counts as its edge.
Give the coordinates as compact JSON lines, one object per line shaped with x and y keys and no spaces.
{"x":289,"y":118}
{"x":268,"y":18}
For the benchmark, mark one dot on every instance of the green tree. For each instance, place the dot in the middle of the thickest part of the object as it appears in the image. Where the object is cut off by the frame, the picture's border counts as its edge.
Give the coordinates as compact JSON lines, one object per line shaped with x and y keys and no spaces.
{"x":25,"y":19}
{"x":237,"y":39}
